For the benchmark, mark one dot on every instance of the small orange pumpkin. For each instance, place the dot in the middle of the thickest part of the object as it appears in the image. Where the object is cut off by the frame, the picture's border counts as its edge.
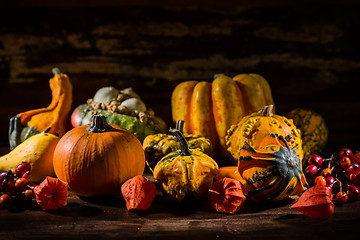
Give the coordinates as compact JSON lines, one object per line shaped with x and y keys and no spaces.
{"x":96,"y":159}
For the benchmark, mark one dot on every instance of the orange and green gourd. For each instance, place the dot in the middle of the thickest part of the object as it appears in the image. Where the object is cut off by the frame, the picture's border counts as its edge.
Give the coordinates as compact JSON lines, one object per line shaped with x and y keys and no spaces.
{"x":187,"y":174}
{"x":314,"y":132}
{"x":254,"y":129}
{"x":267,"y":149}
{"x":54,"y":117}
{"x":272,"y":172}
{"x":159,"y":145}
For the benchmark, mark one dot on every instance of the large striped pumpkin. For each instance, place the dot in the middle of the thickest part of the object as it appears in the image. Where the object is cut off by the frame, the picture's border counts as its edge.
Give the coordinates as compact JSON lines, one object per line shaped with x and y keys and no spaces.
{"x":209,"y":109}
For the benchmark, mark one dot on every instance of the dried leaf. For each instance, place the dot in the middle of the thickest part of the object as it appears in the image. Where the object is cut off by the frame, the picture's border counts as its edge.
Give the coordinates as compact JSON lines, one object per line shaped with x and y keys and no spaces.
{"x":227,"y":195}
{"x":138,"y":192}
{"x":315,"y":202}
{"x":51,"y":194}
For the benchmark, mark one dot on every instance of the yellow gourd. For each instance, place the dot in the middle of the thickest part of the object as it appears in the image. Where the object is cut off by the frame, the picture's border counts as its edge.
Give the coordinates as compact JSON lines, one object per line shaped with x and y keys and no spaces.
{"x":38,"y":150}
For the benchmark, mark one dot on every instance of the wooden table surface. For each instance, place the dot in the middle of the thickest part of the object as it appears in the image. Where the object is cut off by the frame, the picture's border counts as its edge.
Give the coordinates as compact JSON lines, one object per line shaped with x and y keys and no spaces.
{"x":109,"y":219}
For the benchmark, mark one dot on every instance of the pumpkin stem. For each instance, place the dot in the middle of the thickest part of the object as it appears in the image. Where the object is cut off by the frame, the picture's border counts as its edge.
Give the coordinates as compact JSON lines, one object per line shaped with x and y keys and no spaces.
{"x":99,"y":125}
{"x":56,"y":70}
{"x":267,"y":111}
{"x":180,"y":125}
{"x":185,"y":151}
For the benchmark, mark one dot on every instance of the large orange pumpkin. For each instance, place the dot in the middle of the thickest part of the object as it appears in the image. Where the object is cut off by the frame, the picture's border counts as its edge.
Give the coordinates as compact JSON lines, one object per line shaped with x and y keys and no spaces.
{"x":96,"y":159}
{"x":209,"y":109}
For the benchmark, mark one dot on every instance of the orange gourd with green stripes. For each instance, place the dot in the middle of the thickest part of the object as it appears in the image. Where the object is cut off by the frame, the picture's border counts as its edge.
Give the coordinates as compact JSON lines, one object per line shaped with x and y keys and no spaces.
{"x":187,"y":174}
{"x":267,"y":149}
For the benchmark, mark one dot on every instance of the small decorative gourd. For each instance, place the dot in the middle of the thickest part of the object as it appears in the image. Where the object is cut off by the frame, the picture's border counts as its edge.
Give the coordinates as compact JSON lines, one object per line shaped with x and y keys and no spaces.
{"x":314,"y":132}
{"x":267,"y":149}
{"x":271,"y":172}
{"x":54,"y":117}
{"x":253,"y":130}
{"x":158,"y":145}
{"x":185,"y":174}
{"x":96,"y":159}
{"x":123,"y":108}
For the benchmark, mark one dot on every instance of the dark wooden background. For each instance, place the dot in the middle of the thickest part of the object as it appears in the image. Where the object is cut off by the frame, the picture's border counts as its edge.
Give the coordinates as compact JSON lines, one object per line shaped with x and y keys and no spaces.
{"x":307,"y":50}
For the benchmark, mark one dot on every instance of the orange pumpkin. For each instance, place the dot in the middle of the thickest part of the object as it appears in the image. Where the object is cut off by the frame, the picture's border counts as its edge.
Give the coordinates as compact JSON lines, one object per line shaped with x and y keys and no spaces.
{"x":209,"y":109}
{"x":96,"y":159}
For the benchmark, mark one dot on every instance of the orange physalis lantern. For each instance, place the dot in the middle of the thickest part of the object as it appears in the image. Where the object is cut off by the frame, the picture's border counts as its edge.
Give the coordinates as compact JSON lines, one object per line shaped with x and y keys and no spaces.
{"x":138,"y":192}
{"x":51,"y":194}
{"x":227,"y":195}
{"x":316,"y":202}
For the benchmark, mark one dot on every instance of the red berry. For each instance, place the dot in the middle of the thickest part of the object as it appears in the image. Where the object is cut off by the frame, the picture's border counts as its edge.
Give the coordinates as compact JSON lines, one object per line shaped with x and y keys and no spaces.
{"x":29,"y":194}
{"x":345,"y":162}
{"x":329,"y":187}
{"x":355,"y":177}
{"x":353,"y":192}
{"x":311,"y":170}
{"x":330,"y":180}
{"x":352,"y":168}
{"x":22,"y":168}
{"x":5,"y":199}
{"x":316,"y":160}
{"x":27,"y":175}
{"x":21,"y":183}
{"x":320,"y":180}
{"x":327,"y":172}
{"x":345,"y":152}
{"x":341,"y":197}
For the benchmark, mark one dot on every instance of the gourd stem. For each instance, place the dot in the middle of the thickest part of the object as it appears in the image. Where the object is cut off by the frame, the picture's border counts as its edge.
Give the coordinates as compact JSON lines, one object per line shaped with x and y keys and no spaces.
{"x":56,"y":70}
{"x":180,"y":125}
{"x":185,"y":151}
{"x":267,"y":111}
{"x":99,"y":125}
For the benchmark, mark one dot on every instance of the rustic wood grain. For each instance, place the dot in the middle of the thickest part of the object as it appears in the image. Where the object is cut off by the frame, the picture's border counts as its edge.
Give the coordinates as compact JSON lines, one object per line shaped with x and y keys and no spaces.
{"x":108,"y":219}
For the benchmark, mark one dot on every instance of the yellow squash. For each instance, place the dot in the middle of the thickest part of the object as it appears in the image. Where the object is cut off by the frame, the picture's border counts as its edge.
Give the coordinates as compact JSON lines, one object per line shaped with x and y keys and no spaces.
{"x":38,"y":150}
{"x":209,"y":109}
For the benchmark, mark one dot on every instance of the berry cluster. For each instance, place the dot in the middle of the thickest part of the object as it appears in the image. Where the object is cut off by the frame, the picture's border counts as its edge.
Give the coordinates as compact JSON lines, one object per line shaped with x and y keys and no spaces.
{"x":16,"y":188}
{"x":340,"y":173}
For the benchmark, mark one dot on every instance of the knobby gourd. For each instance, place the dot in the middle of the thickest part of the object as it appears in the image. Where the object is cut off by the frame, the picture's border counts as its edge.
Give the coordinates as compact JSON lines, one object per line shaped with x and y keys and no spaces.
{"x":254,"y":129}
{"x":209,"y":109}
{"x":124,"y":108}
{"x":96,"y":159}
{"x":314,"y":132}
{"x":267,"y":149}
{"x":185,"y":175}
{"x":55,"y":116}
{"x":156,"y":146}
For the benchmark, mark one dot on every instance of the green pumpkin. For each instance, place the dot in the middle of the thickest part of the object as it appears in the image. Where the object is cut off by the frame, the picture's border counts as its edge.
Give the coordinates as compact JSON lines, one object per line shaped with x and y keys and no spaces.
{"x":185,"y":175}
{"x":314,"y":132}
{"x":123,"y":108}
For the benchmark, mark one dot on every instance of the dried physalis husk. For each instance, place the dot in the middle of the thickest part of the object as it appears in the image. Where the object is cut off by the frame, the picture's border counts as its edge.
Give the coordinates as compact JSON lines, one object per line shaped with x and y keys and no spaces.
{"x":227,"y":195}
{"x":51,"y":194}
{"x":138,"y":192}
{"x":316,"y":202}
